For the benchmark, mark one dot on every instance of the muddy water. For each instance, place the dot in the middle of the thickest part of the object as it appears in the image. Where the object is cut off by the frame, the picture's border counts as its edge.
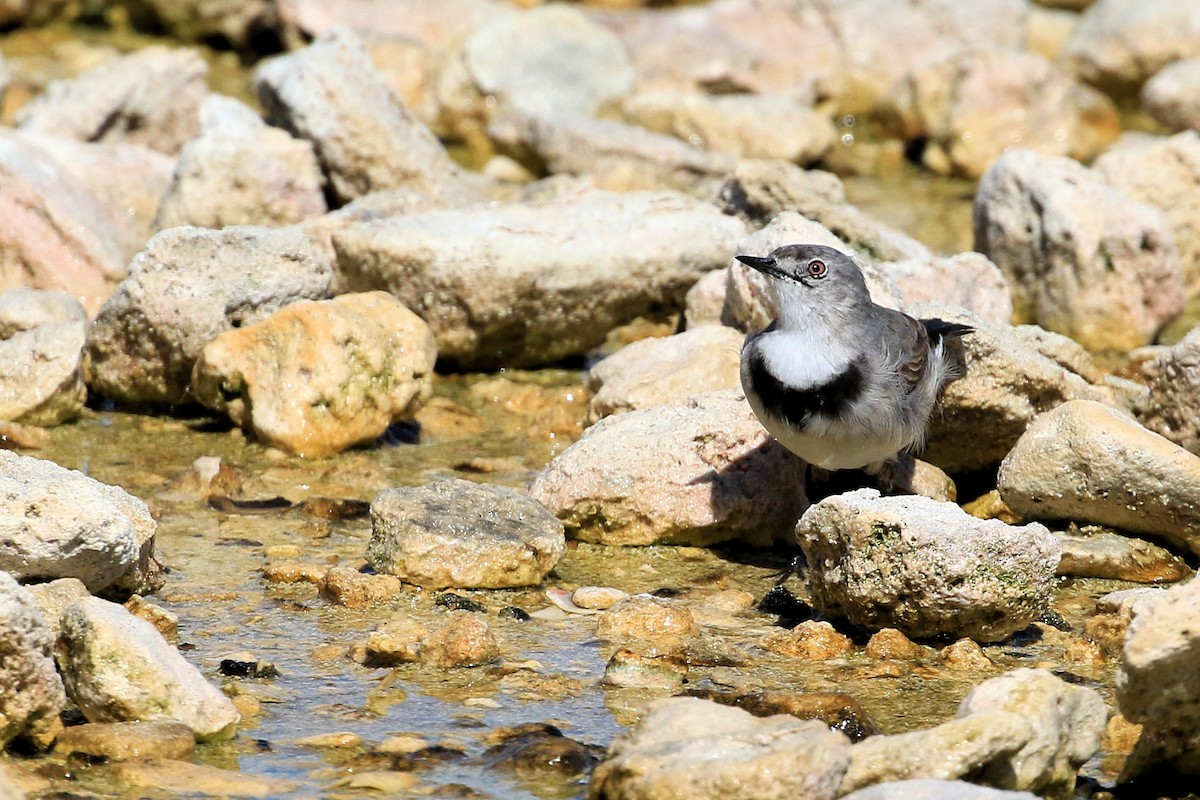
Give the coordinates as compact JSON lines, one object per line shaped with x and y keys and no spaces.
{"x":552,"y":667}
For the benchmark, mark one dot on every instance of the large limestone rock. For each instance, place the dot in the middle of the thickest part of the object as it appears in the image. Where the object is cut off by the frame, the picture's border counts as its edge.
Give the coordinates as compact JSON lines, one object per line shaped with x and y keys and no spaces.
{"x":239,"y":171}
{"x":118,"y":668}
{"x":150,"y":97}
{"x":697,"y":471}
{"x":1082,"y":259}
{"x":188,"y":286}
{"x":525,"y":284}
{"x":887,"y":562}
{"x":31,"y":693}
{"x":317,"y":377}
{"x":687,"y":747}
{"x":1172,"y":407}
{"x":1118,"y":44}
{"x":1089,"y":462}
{"x":57,"y":523}
{"x":332,"y":95}
{"x":662,"y":370}
{"x":1172,"y":96}
{"x":41,"y":344}
{"x":455,"y":533}
{"x":1158,"y":685}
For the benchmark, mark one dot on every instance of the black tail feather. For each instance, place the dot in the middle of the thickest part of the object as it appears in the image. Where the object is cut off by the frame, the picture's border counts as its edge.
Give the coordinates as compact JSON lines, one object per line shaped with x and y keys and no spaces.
{"x":939,"y":329}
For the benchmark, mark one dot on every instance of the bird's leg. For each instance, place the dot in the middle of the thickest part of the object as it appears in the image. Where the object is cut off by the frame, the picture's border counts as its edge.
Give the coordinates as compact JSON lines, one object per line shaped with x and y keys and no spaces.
{"x":894,"y":475}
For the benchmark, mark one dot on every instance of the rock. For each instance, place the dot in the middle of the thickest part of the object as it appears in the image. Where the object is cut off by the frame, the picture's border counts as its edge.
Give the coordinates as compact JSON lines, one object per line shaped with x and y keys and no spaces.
{"x":610,"y":154}
{"x":698,"y":471}
{"x":188,"y":286}
{"x":1012,"y":375}
{"x":840,"y":712}
{"x":644,"y":618}
{"x":57,"y":234}
{"x":600,"y":598}
{"x":1164,"y":172}
{"x":1065,"y":724}
{"x":53,"y":597}
{"x":886,"y":562}
{"x":1171,"y":96}
{"x":970,"y":108}
{"x":348,"y":587}
{"x":240,"y":25}
{"x":1103,"y":553}
{"x":546,"y":62}
{"x":164,"y":621}
{"x":60,"y":523}
{"x":955,"y":749}
{"x":1109,"y":626}
{"x":930,"y":789}
{"x":436,"y":27}
{"x":749,"y":301}
{"x":31,"y":693}
{"x":1173,"y":377}
{"x":504,"y":286}
{"x":1157,"y":684}
{"x":965,"y":280}
{"x":539,"y":751}
{"x":394,"y":642}
{"x":1088,"y":462}
{"x":150,"y":97}
{"x":463,"y":641}
{"x":966,"y":654}
{"x":331,"y":94}
{"x":239,"y":171}
{"x":126,"y":741}
{"x":455,"y":533}
{"x":41,"y":344}
{"x":654,"y":371}
{"x":686,"y":747}
{"x":206,"y":477}
{"x":741,"y":125}
{"x":810,"y":641}
{"x":1082,"y":259}
{"x":318,"y":377}
{"x":703,"y":302}
{"x":181,"y":777}
{"x":1118,"y":44}
{"x":629,"y":669}
{"x":890,"y":643}
{"x":118,"y":668}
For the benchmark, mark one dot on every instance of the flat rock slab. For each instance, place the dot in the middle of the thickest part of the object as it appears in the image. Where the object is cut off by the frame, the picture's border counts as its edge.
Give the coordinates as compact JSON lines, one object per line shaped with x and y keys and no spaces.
{"x":1107,"y":554}
{"x":317,"y":377}
{"x":532,"y":283}
{"x":697,"y":471}
{"x":1087,"y":462}
{"x":891,"y":562}
{"x":455,"y":533}
{"x":123,"y":741}
{"x":118,"y":668}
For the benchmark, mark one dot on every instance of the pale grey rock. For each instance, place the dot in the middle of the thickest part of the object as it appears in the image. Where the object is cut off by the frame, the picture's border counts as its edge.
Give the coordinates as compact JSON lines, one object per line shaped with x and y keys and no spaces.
{"x":955,"y":749}
{"x":931,"y":789}
{"x":1065,"y":721}
{"x":1163,"y":172}
{"x":53,"y":597}
{"x":524,"y":284}
{"x":970,"y":108}
{"x":1082,"y":258}
{"x":886,"y":562}
{"x":663,"y":370}
{"x":150,"y":97}
{"x":5,"y":78}
{"x":41,"y":344}
{"x":966,"y":280}
{"x":31,"y":693}
{"x":697,"y":471}
{"x":239,"y":171}
{"x":1118,"y":44}
{"x":703,"y":302}
{"x":118,"y":668}
{"x":318,"y":377}
{"x":610,"y":154}
{"x":188,"y":286}
{"x":436,"y":26}
{"x":773,"y":126}
{"x":1172,"y":406}
{"x":366,"y":140}
{"x":1158,"y":685}
{"x":1089,"y":462}
{"x":1011,"y":375}
{"x":455,"y":533}
{"x":1102,"y":553}
{"x":60,"y":523}
{"x":1172,"y":96}
{"x":690,"y":748}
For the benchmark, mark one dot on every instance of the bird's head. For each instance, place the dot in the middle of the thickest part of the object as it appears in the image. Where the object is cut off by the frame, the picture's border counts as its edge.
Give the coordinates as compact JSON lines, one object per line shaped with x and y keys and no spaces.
{"x":810,"y":279}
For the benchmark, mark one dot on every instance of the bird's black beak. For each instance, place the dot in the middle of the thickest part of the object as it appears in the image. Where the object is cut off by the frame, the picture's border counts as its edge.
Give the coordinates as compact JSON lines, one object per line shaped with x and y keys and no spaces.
{"x":764,"y":264}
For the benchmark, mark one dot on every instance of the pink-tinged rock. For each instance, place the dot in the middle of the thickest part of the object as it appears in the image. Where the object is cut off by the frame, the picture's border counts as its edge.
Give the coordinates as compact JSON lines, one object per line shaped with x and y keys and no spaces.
{"x":698,"y":471}
{"x":151,"y":98}
{"x":315,"y":378}
{"x":239,"y":171}
{"x":1082,"y":258}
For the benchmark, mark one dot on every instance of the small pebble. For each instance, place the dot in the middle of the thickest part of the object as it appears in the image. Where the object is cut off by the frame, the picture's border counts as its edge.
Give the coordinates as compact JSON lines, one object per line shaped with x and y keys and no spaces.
{"x":600,"y":598}
{"x":646,"y":618}
{"x":965,"y":654}
{"x":812,"y":641}
{"x":402,"y":745}
{"x":890,"y":643}
{"x":348,"y":587}
{"x":631,"y":670}
{"x":339,"y":739}
{"x":464,"y":640}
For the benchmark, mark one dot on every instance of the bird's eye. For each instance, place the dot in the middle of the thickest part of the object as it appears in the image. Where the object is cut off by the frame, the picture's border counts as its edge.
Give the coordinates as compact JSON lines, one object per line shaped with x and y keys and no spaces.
{"x":817,"y":268}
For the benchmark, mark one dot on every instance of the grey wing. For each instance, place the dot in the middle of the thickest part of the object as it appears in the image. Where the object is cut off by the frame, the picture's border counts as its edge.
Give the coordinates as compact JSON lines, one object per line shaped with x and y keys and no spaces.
{"x":908,"y":347}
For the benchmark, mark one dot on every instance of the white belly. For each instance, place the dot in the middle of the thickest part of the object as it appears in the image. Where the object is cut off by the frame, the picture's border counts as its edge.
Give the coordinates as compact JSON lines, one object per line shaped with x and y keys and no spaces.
{"x":828,"y":449}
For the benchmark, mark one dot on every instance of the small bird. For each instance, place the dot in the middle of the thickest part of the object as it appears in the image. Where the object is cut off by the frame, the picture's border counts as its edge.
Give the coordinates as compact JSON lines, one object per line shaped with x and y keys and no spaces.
{"x":838,"y":380}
